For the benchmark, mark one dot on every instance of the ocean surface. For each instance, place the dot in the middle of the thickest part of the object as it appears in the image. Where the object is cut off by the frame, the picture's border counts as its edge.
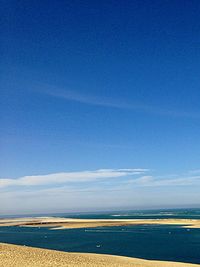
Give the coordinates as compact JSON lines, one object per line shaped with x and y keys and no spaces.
{"x":165,"y":242}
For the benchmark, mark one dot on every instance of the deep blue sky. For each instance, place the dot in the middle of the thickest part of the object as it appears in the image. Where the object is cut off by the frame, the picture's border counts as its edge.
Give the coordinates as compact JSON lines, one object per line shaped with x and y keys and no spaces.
{"x":100,"y":84}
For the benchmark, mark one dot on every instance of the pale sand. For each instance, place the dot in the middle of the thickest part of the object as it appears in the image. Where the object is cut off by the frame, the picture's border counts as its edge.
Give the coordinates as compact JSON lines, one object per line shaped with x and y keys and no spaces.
{"x":59,"y":223}
{"x":20,"y":256}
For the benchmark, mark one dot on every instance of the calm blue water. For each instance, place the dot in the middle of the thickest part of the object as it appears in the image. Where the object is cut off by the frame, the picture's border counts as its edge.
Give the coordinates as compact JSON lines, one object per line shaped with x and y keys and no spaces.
{"x":149,"y":242}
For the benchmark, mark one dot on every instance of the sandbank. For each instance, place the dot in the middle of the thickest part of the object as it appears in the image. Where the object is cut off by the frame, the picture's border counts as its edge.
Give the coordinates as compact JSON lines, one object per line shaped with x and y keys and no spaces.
{"x":68,"y":223}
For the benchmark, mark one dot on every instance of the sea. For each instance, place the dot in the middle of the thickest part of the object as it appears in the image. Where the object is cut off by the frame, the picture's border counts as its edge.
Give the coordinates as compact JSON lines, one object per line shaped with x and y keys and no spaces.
{"x":153,"y":242}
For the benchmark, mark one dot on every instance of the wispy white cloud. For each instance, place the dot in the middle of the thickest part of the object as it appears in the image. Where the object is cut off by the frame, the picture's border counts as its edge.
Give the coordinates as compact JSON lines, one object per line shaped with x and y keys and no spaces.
{"x":69,"y":177}
{"x":135,"y":177}
{"x":159,"y":181}
{"x":114,"y":103}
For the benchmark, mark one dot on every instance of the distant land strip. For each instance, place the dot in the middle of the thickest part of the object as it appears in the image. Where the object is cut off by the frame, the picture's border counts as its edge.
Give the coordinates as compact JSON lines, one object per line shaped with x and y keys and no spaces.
{"x":70,"y":223}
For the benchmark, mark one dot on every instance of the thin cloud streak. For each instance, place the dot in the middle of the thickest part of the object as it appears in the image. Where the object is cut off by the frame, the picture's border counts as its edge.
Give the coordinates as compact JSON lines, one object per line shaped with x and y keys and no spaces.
{"x":69,"y":177}
{"x":156,"y":182}
{"x":113,"y":103}
{"x":73,"y":180}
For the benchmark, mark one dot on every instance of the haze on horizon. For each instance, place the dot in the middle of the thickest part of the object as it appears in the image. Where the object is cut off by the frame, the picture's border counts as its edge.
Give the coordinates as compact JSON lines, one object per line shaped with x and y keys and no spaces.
{"x":99,"y":105}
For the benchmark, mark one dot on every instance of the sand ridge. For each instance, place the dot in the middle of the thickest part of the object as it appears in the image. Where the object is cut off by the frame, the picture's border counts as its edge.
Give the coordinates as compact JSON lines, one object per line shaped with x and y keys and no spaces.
{"x":22,"y":256}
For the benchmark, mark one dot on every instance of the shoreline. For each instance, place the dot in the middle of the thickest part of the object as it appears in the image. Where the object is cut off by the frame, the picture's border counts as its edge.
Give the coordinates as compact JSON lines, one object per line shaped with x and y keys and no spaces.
{"x":71,"y":223}
{"x":23,"y":256}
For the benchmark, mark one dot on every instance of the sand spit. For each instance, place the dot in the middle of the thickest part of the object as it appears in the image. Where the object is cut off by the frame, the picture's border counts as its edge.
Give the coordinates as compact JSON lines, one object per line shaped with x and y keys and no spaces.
{"x":21,"y":256}
{"x":59,"y":223}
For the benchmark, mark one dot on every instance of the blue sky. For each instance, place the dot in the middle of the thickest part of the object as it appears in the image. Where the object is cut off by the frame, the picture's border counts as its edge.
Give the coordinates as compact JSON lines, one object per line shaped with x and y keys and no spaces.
{"x":92,"y":85}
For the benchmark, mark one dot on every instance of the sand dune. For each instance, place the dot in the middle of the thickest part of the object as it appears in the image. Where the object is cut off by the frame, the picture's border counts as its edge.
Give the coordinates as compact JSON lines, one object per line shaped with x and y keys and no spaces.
{"x":20,"y":256}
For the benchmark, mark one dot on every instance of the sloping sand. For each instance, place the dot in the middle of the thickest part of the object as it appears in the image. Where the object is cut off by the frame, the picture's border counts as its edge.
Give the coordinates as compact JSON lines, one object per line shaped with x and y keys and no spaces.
{"x":57,"y":223}
{"x":20,"y":256}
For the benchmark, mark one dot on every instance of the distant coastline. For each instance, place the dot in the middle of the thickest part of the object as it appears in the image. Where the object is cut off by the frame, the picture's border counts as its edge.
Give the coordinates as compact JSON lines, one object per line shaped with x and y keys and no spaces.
{"x":72,"y":223}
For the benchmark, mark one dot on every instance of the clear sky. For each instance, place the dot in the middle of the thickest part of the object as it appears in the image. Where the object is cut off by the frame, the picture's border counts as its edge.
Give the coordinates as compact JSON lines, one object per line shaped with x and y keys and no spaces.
{"x":92,"y":91}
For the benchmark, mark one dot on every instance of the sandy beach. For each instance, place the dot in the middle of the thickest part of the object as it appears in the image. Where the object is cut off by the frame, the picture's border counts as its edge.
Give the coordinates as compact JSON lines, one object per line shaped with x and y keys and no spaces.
{"x":59,"y":222}
{"x":21,"y":256}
